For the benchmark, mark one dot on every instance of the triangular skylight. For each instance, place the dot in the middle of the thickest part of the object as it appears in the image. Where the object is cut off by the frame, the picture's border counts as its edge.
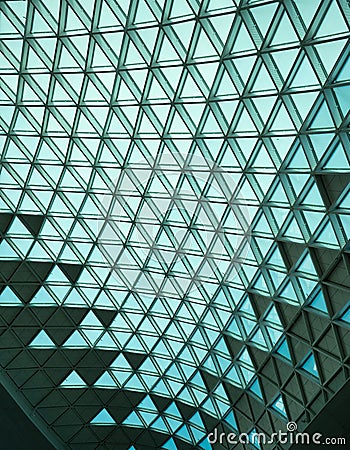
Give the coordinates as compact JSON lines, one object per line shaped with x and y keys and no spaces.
{"x":174,"y":214}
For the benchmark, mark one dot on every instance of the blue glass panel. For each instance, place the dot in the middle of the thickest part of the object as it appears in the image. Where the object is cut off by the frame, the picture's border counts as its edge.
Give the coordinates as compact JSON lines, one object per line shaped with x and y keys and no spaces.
{"x":309,"y":366}
{"x":319,"y":303}
{"x":346,"y":316}
{"x":103,"y":418}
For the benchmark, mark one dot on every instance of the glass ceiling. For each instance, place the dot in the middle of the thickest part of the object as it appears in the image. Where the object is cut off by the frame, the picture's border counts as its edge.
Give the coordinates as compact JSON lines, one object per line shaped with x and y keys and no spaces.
{"x":174,"y":216}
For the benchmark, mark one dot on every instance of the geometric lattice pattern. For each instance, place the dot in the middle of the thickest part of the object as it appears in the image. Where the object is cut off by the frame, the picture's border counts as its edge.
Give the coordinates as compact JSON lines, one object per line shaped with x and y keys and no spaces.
{"x":174,"y":216}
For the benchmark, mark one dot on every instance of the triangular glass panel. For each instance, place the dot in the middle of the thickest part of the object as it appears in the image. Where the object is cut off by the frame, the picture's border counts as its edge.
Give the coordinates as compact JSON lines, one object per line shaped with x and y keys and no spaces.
{"x":103,"y":418}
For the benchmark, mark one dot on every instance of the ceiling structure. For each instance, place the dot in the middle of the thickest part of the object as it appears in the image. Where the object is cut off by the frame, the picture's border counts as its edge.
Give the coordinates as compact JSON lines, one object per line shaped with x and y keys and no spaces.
{"x":174,"y":217}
